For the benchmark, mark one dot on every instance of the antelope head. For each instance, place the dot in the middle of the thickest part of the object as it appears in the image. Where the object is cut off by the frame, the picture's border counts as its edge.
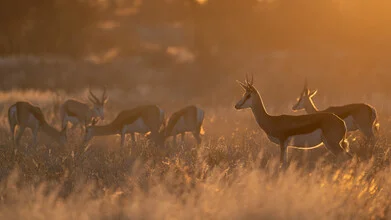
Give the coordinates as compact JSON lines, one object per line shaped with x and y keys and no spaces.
{"x":249,"y":93}
{"x":305,"y":98}
{"x":98,"y":109}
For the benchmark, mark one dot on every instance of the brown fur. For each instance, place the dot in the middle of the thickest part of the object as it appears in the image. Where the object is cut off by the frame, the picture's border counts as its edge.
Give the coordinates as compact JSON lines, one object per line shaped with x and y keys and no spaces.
{"x":189,"y":113}
{"x":149,"y":113}
{"x":288,"y":125}
{"x":76,"y":109}
{"x":23,"y":111}
{"x":281,"y":127}
{"x":364,"y":115}
{"x":22,"y":119}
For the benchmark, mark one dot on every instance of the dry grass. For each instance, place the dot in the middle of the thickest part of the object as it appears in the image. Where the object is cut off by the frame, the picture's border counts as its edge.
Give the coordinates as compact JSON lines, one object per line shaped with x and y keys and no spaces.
{"x":233,"y":175}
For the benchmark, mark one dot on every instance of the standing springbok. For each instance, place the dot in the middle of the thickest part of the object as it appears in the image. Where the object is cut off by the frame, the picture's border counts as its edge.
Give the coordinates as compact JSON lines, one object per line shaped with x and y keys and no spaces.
{"x":26,"y":115}
{"x":187,"y":119}
{"x":142,"y":119}
{"x":303,"y":131}
{"x":358,"y":116}
{"x":77,"y":112}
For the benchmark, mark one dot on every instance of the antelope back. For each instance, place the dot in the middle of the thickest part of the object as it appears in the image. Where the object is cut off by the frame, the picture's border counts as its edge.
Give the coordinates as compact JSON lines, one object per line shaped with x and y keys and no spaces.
{"x":24,"y":110}
{"x":76,"y":109}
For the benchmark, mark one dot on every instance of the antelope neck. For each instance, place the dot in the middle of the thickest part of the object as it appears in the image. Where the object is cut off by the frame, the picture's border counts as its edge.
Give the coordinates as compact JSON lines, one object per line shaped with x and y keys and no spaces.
{"x":259,"y":111}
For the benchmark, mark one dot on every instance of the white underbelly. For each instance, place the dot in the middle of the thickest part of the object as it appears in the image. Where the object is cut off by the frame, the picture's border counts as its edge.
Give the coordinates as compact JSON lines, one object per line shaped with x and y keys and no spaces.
{"x":138,"y":126}
{"x":350,"y":124}
{"x":305,"y":141}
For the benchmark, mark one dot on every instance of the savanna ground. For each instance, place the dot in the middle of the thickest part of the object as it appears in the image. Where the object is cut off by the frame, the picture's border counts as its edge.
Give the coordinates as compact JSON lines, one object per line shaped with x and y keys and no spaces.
{"x":234,"y":174}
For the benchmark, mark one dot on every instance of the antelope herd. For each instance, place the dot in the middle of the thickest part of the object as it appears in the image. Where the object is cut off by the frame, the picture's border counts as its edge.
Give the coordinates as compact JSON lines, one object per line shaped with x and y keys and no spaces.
{"x":147,"y":119}
{"x":328,"y":127}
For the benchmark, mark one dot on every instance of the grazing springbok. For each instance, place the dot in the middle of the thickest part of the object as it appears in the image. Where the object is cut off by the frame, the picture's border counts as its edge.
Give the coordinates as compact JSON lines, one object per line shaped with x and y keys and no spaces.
{"x":26,"y":115}
{"x":358,"y":116}
{"x":188,"y":119}
{"x":303,"y":131}
{"x":77,"y":112}
{"x":142,"y":119}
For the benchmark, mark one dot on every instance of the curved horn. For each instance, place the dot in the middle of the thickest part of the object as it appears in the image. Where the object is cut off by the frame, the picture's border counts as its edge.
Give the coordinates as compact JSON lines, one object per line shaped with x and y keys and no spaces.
{"x":95,"y":99}
{"x":91,"y":99}
{"x":243,"y":85}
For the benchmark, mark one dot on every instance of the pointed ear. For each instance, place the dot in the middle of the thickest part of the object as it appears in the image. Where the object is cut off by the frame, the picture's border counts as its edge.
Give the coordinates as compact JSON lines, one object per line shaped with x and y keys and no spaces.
{"x":313,"y":93}
{"x":242,"y":85}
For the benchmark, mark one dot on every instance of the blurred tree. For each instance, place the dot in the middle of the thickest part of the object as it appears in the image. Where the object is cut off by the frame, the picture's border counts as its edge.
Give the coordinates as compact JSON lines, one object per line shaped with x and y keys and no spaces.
{"x":15,"y":16}
{"x":48,"y":27}
{"x":218,"y":28}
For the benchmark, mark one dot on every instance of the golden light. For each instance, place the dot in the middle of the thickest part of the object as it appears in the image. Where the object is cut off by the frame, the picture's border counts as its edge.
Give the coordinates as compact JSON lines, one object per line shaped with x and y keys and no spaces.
{"x":202,"y":1}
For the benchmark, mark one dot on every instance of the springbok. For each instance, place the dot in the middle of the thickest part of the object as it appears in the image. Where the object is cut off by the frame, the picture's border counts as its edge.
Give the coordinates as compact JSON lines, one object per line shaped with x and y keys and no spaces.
{"x":187,"y":119}
{"x":303,"y":131}
{"x":358,"y":116}
{"x":26,"y":115}
{"x":142,"y":119}
{"x":77,"y":112}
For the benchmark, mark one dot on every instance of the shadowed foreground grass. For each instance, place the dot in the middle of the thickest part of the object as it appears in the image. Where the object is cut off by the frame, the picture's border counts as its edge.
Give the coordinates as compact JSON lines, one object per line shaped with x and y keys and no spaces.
{"x":233,"y":175}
